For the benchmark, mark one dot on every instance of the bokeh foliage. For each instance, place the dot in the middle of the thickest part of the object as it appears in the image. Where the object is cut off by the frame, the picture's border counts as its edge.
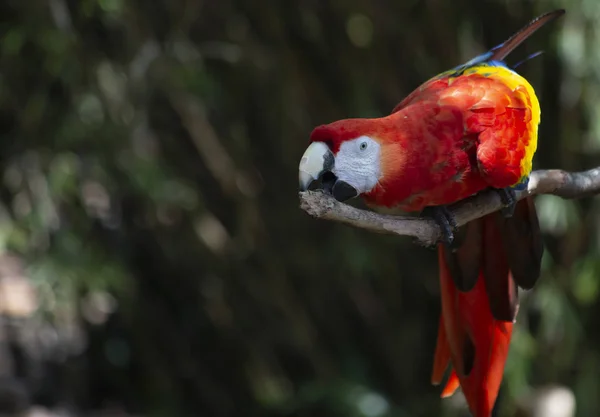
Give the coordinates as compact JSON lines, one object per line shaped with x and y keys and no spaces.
{"x":149,"y":161}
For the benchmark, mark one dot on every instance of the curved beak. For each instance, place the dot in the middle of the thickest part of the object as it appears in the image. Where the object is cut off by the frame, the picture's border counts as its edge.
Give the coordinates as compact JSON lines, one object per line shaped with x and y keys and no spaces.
{"x":316,"y":160}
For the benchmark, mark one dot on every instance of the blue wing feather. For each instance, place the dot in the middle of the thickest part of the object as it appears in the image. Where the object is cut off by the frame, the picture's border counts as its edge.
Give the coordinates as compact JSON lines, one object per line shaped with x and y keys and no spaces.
{"x":495,"y":56}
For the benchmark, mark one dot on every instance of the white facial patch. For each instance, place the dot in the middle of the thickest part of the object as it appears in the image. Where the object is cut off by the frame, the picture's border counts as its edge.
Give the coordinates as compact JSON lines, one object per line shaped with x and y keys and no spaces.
{"x":358,"y":163}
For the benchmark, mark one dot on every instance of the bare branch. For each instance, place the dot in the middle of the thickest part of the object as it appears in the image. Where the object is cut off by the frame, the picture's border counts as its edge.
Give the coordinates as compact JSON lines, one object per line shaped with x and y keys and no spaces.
{"x":557,"y":182}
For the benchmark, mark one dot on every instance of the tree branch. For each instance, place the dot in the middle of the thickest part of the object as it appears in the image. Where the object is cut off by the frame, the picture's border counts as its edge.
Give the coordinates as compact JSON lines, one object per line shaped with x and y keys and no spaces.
{"x":556,"y":182}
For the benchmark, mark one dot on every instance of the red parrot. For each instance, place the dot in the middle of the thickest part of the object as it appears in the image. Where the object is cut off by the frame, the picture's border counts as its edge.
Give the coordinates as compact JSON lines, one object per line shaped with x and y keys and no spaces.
{"x":468,"y":129}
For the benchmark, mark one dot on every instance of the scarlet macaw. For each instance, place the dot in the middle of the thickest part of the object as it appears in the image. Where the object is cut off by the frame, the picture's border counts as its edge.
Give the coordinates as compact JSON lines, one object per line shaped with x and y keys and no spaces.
{"x":468,"y":129}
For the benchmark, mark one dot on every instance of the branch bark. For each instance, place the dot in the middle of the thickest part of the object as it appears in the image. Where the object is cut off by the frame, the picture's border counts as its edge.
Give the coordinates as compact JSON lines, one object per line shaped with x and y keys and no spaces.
{"x":564,"y":184}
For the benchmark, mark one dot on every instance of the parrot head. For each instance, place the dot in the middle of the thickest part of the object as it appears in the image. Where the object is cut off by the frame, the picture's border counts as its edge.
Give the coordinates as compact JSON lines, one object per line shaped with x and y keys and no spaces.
{"x":346,"y":155}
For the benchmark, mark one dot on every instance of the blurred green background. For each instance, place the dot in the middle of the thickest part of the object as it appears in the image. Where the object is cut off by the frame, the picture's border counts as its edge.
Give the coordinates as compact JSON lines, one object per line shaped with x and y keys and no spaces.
{"x":154,"y":258}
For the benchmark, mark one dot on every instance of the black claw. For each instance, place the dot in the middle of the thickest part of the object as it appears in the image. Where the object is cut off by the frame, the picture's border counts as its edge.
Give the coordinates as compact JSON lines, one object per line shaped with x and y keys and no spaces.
{"x":451,"y":219}
{"x":509,"y":199}
{"x":446,"y":222}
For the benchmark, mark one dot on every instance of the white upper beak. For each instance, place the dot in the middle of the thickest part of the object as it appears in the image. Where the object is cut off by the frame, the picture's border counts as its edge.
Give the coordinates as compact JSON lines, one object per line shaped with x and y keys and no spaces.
{"x":317,"y":159}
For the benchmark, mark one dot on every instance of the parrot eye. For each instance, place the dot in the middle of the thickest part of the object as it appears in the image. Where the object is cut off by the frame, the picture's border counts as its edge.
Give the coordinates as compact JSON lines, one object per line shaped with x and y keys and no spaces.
{"x":363,"y":146}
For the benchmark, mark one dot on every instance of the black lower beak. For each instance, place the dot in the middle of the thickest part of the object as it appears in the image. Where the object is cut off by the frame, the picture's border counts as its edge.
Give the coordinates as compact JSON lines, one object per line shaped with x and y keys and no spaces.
{"x":328,"y":181}
{"x":343,"y":191}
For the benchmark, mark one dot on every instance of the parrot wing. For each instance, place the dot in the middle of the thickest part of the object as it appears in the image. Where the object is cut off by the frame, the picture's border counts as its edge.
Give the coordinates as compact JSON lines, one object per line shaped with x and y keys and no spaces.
{"x":480,"y":279}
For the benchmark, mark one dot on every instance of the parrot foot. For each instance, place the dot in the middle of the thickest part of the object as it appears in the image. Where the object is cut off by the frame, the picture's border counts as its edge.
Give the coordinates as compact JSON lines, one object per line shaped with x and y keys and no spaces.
{"x":446,"y":222}
{"x":509,"y":199}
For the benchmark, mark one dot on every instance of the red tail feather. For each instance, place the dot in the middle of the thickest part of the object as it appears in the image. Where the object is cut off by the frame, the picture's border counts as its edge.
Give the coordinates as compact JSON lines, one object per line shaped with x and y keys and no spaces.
{"x":476,"y":325}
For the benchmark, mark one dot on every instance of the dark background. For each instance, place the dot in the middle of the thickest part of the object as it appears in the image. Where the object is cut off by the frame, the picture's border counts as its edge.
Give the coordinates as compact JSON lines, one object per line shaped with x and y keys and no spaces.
{"x":154,"y":260}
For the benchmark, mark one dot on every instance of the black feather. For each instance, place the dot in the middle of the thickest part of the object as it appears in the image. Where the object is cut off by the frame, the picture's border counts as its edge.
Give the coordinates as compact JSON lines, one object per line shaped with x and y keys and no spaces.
{"x":522,"y":241}
{"x":464,"y":263}
{"x":501,"y":289}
